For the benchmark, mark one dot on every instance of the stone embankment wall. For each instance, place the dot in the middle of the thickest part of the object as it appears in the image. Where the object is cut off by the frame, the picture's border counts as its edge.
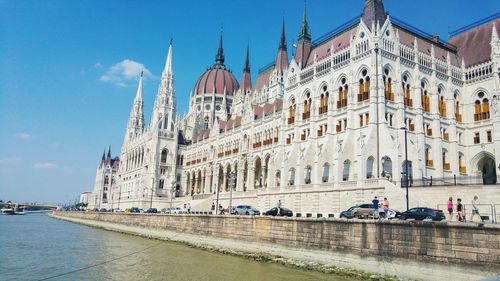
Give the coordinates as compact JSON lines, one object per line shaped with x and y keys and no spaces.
{"x":422,"y":241}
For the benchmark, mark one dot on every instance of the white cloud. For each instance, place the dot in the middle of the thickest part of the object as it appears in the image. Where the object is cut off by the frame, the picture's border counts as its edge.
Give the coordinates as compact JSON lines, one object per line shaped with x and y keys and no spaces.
{"x":97,"y":65}
{"x":44,"y":166}
{"x":23,"y":136}
{"x":124,"y":71}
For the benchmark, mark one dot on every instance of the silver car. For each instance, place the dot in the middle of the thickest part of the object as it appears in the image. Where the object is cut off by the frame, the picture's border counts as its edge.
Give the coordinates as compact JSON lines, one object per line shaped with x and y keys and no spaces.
{"x":246,"y":210}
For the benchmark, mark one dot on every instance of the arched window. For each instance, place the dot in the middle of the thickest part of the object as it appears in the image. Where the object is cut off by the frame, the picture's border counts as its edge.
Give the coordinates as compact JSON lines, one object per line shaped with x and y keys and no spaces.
{"x":364,"y":86}
{"x":369,"y":167}
{"x":446,"y":164}
{"x":346,"y":170}
{"x":291,"y":176}
{"x":458,"y":113}
{"x":106,"y":180}
{"x":461,"y":164}
{"x":326,"y":172}
{"x":307,"y":175}
{"x":426,"y":101}
{"x":164,"y":154}
{"x":407,"y":93}
{"x":389,"y":94}
{"x":428,"y":157}
{"x":291,"y":112}
{"x":307,"y":107}
{"x":343,"y":92}
{"x":323,"y":103}
{"x":205,"y":123}
{"x":161,"y":183}
{"x":481,"y":107}
{"x":441,"y":104}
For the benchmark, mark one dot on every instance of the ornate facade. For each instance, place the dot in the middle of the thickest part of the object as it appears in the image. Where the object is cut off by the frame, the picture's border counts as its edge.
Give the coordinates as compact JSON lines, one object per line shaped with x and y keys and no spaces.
{"x":327,"y":128}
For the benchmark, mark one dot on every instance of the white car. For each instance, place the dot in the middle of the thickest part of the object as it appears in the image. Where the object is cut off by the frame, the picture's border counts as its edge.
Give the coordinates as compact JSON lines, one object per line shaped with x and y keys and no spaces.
{"x":117,"y":210}
{"x":175,"y":210}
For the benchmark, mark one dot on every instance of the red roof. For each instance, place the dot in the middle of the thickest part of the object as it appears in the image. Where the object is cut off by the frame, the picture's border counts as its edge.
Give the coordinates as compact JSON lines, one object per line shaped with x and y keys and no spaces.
{"x":339,"y":42}
{"x":263,"y":79}
{"x":474,"y":45}
{"x":215,"y":80}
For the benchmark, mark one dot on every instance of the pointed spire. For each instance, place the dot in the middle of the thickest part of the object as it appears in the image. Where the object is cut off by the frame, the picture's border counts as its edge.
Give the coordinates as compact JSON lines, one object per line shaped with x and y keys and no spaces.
{"x":103,"y":155}
{"x":373,"y":13}
{"x":219,"y":59}
{"x":246,"y":68}
{"x":109,"y":152}
{"x":168,"y":64}
{"x":305,"y":34}
{"x":282,"y":45}
{"x":138,"y":95}
{"x":494,"y":33}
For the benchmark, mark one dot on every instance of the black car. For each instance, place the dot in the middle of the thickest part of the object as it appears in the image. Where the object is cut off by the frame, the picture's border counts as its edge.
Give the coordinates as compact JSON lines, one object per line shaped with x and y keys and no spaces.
{"x":103,"y":210}
{"x":348,"y":214}
{"x":422,"y":213}
{"x":135,"y":210}
{"x":152,"y":211}
{"x":95,"y":210}
{"x":283,"y":212}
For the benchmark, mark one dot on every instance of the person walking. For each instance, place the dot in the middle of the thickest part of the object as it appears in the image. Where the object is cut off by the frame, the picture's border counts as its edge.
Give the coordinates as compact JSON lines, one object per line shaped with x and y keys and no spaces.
{"x":375,"y":203}
{"x":189,"y":207}
{"x":460,"y":208}
{"x":278,"y":205}
{"x":221,"y":209}
{"x":213,"y":208}
{"x":386,"y":207}
{"x":475,"y":210}
{"x":450,"y":208}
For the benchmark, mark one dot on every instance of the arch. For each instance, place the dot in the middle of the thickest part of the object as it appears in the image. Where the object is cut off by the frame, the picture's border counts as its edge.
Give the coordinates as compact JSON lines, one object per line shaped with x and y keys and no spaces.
{"x":258,"y":173}
{"x":266,"y":169}
{"x":486,"y":167}
{"x":326,"y":172}
{"x":410,"y":171}
{"x":220,"y":178}
{"x":346,"y":170}
{"x":277,"y":178}
{"x":164,"y":155}
{"x":307,"y":174}
{"x":387,"y":167}
{"x":291,"y":176}
{"x":369,"y":167}
{"x":245,"y":175}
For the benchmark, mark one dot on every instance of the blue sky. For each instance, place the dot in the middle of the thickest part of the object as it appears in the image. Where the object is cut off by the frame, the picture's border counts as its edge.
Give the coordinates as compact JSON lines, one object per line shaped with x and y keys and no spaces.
{"x":69,"y":69}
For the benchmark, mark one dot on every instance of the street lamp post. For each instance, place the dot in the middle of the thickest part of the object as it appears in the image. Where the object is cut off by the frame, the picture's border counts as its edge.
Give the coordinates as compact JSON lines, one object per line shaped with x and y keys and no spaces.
{"x":406,"y":168}
{"x":232,"y":178}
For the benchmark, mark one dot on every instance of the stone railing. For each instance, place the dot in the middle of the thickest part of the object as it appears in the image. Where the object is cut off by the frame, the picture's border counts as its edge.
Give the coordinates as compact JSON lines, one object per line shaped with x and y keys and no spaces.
{"x":478,"y":72}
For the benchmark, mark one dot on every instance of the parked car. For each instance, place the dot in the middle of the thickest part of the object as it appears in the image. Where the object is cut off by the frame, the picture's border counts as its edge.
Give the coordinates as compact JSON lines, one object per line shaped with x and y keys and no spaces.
{"x":95,"y":210}
{"x":117,"y":210}
{"x":367,"y":210}
{"x":349,"y":213}
{"x":246,"y":210}
{"x":126,"y":210}
{"x":175,"y":210}
{"x":152,"y":211}
{"x":283,"y":212}
{"x":423,"y":213}
{"x":135,"y":210}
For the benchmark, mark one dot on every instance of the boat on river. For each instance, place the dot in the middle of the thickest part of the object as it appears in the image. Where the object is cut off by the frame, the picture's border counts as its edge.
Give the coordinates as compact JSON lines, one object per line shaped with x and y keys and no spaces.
{"x":12,"y":211}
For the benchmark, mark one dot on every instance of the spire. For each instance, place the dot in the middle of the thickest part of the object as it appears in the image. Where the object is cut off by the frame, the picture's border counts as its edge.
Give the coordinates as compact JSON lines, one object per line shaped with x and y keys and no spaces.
{"x":246,"y":80}
{"x":373,"y":13}
{"x":282,"y":45}
{"x":246,"y":68}
{"x":103,"y":155}
{"x":305,"y":34}
{"x":168,"y":64}
{"x":219,"y":59}
{"x":109,"y":152}
{"x":138,"y":95}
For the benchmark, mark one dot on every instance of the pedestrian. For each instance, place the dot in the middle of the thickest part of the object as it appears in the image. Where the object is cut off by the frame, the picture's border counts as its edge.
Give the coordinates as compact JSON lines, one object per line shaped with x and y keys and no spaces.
{"x":189,"y":207}
{"x":460,"y":208}
{"x":213,"y":208}
{"x":278,"y":205}
{"x":221,"y":209}
{"x":475,"y":210}
{"x":386,"y":207}
{"x":375,"y":203}
{"x":450,"y":208}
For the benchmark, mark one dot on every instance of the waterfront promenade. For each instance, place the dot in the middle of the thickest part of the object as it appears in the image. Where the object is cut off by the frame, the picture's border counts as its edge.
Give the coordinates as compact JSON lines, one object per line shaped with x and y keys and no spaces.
{"x":409,"y":250}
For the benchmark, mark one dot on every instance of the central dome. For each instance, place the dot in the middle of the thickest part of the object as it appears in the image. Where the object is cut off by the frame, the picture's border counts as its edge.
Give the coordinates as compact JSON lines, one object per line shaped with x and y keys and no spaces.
{"x":217,"y":79}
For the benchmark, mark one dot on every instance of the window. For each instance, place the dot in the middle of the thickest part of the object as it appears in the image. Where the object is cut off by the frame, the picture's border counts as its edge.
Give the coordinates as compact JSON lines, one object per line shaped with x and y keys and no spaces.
{"x":322,"y":130}
{"x":488,"y":136}
{"x":291,"y":112}
{"x":389,"y":95}
{"x":428,"y":129}
{"x":481,"y":108}
{"x":323,"y":102}
{"x":307,"y":178}
{"x":364,"y":86}
{"x":307,"y":107}
{"x":408,"y":101}
{"x":458,"y":114}
{"x":161,"y":183}
{"x":477,"y":138}
{"x":343,"y":92}
{"x":410,"y":125}
{"x":445,"y":135}
{"x":461,"y":165}
{"x":446,"y":164}
{"x":164,"y":154}
{"x":441,"y":105}
{"x":428,"y":161}
{"x":291,"y":176}
{"x":426,"y":101}
{"x":326,"y":172}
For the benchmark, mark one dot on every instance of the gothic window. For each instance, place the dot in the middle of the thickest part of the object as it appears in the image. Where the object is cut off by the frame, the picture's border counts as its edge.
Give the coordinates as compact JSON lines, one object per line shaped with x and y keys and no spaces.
{"x":408,"y":101}
{"x":389,"y":94}
{"x":428,"y":157}
{"x":205,"y":123}
{"x":106,"y":180}
{"x":442,"y":104}
{"x":161,"y":183}
{"x":346,"y":170}
{"x":164,"y":154}
{"x":446,"y":164}
{"x":307,"y":177}
{"x":307,"y":107}
{"x":326,"y":172}
{"x":426,"y":101}
{"x":343,"y":92}
{"x":461,"y":164}
{"x":291,"y":176}
{"x":323,"y":106}
{"x":364,"y":86}
{"x":291,"y":112}
{"x":481,"y":108}
{"x":458,"y":114}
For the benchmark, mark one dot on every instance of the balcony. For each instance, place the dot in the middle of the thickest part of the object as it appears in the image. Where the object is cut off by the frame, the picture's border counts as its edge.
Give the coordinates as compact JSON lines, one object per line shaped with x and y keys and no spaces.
{"x":429,"y":163}
{"x":389,"y":96}
{"x":463,"y":170}
{"x":306,"y":115}
{"x":408,"y":102}
{"x":446,"y":166}
{"x":458,"y":117}
{"x":320,"y":133}
{"x":291,"y":120}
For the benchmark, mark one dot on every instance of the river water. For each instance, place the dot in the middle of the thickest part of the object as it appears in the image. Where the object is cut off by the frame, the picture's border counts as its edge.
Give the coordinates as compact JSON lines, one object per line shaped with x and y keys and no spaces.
{"x":37,"y":247}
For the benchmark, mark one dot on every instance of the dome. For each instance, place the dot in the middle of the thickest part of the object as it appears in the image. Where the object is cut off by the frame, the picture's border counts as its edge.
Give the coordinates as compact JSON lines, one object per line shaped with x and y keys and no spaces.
{"x":215,"y":80}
